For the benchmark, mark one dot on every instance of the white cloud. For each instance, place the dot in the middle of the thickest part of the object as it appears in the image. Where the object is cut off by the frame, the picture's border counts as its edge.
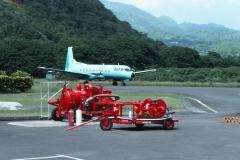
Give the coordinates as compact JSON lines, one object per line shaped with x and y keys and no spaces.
{"x":232,"y":2}
{"x":143,"y":3}
{"x":224,"y":12}
{"x":199,"y":3}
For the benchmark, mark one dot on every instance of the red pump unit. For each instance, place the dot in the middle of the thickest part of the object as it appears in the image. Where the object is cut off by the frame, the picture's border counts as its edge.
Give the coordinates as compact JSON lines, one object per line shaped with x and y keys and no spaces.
{"x":80,"y":98}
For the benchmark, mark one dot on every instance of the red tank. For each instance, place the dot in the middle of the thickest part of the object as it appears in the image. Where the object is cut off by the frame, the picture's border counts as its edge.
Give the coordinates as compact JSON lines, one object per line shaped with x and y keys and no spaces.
{"x":75,"y":98}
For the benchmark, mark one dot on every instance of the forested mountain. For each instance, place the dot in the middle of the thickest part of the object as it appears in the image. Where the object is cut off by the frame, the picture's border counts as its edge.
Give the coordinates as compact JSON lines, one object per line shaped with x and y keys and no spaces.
{"x":53,"y":20}
{"x":202,"y":37}
{"x":37,"y":33}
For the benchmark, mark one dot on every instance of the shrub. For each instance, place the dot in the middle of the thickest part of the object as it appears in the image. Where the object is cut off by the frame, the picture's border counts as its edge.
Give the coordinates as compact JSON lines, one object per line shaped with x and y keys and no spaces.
{"x":20,"y":74}
{"x":4,"y":83}
{"x":21,"y":83}
{"x":198,"y":78}
{"x":2,"y":72}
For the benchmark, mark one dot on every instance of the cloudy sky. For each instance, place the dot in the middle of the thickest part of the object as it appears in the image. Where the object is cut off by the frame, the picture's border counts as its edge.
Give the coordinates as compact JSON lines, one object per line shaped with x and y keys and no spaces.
{"x":223,"y":12}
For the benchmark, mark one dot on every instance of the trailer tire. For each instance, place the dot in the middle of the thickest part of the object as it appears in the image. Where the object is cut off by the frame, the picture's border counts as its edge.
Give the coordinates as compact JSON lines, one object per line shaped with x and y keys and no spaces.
{"x":106,"y":127}
{"x":139,"y":125}
{"x":54,"y":117}
{"x":168,"y":124}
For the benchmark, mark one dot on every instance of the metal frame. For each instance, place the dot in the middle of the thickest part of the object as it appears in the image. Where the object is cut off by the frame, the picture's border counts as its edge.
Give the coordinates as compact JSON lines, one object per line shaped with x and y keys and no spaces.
{"x":47,"y":97}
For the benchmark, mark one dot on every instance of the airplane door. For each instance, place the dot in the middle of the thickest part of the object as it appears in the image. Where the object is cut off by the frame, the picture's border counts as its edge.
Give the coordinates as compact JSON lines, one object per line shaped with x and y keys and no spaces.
{"x":104,"y":70}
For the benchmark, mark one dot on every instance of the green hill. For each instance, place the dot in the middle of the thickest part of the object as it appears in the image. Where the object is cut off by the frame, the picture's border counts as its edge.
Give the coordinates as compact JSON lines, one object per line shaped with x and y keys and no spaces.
{"x":212,"y":36}
{"x":53,"y":20}
{"x":37,"y":33}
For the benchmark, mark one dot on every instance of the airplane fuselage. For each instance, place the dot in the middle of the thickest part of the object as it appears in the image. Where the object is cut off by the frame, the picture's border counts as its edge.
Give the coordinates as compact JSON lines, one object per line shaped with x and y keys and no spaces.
{"x":101,"y":72}
{"x":89,"y":72}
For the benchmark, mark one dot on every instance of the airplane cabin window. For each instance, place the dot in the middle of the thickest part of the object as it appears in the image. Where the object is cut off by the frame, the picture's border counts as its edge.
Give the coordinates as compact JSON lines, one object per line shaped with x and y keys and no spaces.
{"x":127,"y":69}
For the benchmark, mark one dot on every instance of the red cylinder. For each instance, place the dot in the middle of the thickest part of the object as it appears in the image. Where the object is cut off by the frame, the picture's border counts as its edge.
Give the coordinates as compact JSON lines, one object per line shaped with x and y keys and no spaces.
{"x":71,"y":118}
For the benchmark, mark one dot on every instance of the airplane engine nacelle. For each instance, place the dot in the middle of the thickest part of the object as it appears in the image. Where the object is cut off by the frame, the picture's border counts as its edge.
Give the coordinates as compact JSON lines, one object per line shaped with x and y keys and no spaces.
{"x":92,"y":77}
{"x":100,"y":77}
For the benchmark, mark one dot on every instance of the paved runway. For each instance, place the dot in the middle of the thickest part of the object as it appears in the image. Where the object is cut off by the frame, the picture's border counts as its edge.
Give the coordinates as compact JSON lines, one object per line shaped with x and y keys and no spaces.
{"x":196,"y":136}
{"x":223,"y":100}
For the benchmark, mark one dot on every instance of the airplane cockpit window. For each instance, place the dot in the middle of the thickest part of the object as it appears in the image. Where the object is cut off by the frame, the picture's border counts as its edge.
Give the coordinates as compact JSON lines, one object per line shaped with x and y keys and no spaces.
{"x":128,"y":69}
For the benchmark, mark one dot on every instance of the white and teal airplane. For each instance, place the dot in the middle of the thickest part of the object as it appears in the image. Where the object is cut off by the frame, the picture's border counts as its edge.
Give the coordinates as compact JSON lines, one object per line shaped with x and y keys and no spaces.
{"x":89,"y":72}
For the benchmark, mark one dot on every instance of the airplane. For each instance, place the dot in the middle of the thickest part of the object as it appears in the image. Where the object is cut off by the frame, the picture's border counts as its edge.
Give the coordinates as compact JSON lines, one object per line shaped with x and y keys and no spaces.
{"x":89,"y":72}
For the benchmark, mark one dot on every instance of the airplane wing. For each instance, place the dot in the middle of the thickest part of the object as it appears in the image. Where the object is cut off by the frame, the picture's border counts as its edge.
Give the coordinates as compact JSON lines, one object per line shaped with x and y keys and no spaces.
{"x":65,"y":73}
{"x":151,"y":70}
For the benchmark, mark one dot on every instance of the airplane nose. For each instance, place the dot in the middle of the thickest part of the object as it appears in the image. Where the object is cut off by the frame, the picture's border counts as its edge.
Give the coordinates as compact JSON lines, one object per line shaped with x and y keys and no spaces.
{"x":133,"y":75}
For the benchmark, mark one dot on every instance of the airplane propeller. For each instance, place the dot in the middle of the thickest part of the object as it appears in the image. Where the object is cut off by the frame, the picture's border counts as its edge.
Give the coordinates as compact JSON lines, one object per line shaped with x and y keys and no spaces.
{"x":133,"y":68}
{"x":133,"y":75}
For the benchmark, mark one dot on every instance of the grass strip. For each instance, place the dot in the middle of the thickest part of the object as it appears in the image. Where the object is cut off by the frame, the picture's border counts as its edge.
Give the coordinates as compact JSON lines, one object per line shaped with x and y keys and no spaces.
{"x":31,"y":100}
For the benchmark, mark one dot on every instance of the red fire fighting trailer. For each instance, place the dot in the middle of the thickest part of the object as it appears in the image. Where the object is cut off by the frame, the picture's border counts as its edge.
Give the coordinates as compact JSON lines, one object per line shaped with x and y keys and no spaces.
{"x":92,"y":100}
{"x":147,"y":112}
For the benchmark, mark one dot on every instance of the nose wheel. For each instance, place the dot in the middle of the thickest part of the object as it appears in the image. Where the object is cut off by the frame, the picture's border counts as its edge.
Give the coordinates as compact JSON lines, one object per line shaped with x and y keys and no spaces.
{"x":115,"y":83}
{"x":86,"y":82}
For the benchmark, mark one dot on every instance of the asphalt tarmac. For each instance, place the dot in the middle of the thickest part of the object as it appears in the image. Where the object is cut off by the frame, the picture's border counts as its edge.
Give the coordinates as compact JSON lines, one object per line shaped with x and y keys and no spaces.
{"x":197,"y":135}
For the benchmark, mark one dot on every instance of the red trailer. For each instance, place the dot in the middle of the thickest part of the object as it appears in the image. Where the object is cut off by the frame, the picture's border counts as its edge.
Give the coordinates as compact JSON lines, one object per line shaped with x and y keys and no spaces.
{"x":147,"y":112}
{"x":92,"y":100}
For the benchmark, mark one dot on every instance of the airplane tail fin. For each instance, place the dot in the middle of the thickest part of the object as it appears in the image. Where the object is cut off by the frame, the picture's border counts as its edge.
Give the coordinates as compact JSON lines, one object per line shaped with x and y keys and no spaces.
{"x":70,"y":61}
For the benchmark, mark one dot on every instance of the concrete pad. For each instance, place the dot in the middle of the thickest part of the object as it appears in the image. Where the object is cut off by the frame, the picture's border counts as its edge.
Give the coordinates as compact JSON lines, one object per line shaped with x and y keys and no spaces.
{"x":38,"y":123}
{"x":43,"y":123}
{"x":10,"y":105}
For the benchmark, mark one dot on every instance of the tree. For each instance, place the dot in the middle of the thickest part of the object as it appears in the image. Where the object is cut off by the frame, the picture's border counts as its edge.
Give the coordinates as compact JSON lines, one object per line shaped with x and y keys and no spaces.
{"x":180,"y":57}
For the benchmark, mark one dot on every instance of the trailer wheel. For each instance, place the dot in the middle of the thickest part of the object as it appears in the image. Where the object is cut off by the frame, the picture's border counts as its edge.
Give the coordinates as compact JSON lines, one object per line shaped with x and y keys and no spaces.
{"x":168,"y":124}
{"x":106,"y":127}
{"x":54,"y":117}
{"x":139,"y":125}
{"x":84,"y":116}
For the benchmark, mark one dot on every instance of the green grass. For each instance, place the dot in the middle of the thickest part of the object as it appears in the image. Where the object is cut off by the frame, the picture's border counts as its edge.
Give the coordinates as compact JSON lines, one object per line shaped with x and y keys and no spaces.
{"x":31,"y":100}
{"x":172,"y":100}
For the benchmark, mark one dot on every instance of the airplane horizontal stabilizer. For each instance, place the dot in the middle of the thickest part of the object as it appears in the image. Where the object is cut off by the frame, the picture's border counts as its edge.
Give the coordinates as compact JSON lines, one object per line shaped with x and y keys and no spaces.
{"x":65,"y":73}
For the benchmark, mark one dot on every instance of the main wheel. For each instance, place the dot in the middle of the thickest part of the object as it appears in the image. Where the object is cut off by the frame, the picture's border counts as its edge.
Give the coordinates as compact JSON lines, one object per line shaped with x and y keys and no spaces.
{"x":106,"y":126}
{"x":114,"y":83}
{"x":87,"y":117}
{"x":168,"y":124}
{"x":54,"y":115}
{"x":86,"y":82}
{"x":123,"y":84}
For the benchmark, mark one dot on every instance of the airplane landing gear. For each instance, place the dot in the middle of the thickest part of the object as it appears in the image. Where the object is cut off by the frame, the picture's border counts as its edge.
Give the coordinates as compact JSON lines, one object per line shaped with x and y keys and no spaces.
{"x":123,"y":84}
{"x":114,"y":83}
